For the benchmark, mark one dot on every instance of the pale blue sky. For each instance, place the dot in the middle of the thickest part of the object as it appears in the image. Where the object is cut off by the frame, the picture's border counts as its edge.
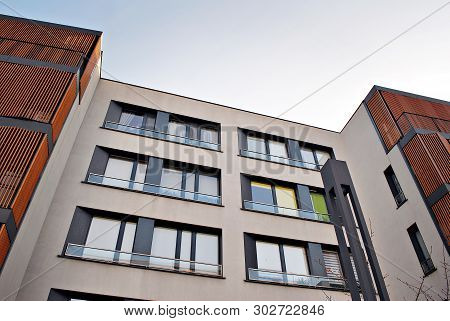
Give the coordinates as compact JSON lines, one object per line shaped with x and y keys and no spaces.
{"x":265,"y":56}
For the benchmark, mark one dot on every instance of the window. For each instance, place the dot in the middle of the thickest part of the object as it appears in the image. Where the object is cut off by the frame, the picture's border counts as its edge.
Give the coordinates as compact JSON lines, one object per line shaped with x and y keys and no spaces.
{"x":281,"y":258}
{"x":119,"y":173}
{"x":177,"y":129}
{"x":273,"y":199}
{"x":394,"y":186}
{"x":131,"y":119}
{"x":322,"y":157}
{"x":308,"y":157}
{"x":421,"y":250}
{"x":103,"y":240}
{"x":257,"y":145}
{"x":319,"y":205}
{"x":209,"y":135}
{"x":203,"y":258}
{"x":277,"y":149}
{"x":182,"y":183}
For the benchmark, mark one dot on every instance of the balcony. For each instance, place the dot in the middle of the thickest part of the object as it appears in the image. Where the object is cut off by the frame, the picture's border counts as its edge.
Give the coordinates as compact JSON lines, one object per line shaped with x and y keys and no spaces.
{"x":154,"y":189}
{"x":274,"y":209}
{"x":161,"y":135}
{"x":270,"y":276}
{"x":142,"y":260}
{"x":281,"y":160}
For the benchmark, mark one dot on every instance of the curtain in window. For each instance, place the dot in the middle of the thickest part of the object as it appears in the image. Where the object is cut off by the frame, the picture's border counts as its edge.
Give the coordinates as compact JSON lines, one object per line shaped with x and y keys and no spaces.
{"x":209,"y":135}
{"x":118,"y":172}
{"x":261,"y":193}
{"x":286,"y":197}
{"x":102,"y":235}
{"x":163,"y":245}
{"x":257,"y":145}
{"x":131,"y":119}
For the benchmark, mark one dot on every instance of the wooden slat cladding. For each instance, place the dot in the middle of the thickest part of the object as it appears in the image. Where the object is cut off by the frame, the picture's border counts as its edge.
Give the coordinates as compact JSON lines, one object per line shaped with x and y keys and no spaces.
{"x":5,"y":243}
{"x":408,"y":121}
{"x":443,"y":125}
{"x":87,"y":73}
{"x":441,"y":210}
{"x":31,"y":92}
{"x":46,"y":35}
{"x":383,"y":120}
{"x":39,"y":52}
{"x":30,"y":181}
{"x":19,"y":149}
{"x":64,"y":108}
{"x":399,"y":104}
{"x":429,"y":157}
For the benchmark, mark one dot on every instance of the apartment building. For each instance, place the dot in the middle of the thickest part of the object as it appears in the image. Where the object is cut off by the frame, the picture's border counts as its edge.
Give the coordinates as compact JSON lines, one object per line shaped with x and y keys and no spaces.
{"x":149,"y":195}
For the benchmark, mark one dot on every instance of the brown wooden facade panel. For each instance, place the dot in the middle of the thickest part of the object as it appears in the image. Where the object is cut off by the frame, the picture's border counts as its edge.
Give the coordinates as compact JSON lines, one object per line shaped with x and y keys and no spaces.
{"x":399,"y":104}
{"x":87,"y":73}
{"x":441,"y":210}
{"x":46,"y":35}
{"x":30,"y":181}
{"x":18,"y":148}
{"x":383,"y":120}
{"x":39,"y":52}
{"x":428,"y":155}
{"x":5,"y":243}
{"x":65,"y":106}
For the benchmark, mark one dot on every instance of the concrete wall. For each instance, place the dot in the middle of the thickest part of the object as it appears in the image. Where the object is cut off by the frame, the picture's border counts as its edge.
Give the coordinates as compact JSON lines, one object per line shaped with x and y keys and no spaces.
{"x":367,"y":161}
{"x":46,"y":270}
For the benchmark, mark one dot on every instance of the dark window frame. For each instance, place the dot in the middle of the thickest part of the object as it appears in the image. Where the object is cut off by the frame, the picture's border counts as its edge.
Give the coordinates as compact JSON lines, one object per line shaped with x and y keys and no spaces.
{"x":424,"y":258}
{"x":394,"y":186}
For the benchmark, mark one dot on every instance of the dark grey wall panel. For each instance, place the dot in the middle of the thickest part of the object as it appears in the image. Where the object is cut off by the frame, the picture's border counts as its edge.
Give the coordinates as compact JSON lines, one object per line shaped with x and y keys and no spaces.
{"x":246,"y":190}
{"x":250,"y":253}
{"x":162,"y":121}
{"x":79,"y":227}
{"x":114,"y":112}
{"x":144,"y":236}
{"x":99,"y":161}
{"x":315,"y":259}
{"x":304,"y":197}
{"x":242,"y":137}
{"x":293,"y":149}
{"x":154,"y":171}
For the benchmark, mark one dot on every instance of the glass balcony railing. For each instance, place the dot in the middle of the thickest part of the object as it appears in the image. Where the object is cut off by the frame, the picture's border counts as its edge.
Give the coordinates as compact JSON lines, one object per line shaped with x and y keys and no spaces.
{"x":142,"y":260}
{"x":154,"y":189}
{"x":295,"y":279}
{"x":161,"y":135}
{"x":274,"y":209}
{"x":281,"y":160}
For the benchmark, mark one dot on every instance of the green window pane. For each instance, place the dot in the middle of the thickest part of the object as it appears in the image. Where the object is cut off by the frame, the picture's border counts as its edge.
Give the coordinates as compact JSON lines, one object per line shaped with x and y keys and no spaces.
{"x":319,"y":204}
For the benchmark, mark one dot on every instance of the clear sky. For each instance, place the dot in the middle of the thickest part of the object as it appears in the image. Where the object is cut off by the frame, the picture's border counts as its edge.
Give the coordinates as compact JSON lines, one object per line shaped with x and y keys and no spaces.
{"x":266,"y":56}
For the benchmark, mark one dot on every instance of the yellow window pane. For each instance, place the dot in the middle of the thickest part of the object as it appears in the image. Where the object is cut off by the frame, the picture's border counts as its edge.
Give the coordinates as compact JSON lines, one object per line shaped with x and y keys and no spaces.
{"x":261,"y":185}
{"x":286,"y":197}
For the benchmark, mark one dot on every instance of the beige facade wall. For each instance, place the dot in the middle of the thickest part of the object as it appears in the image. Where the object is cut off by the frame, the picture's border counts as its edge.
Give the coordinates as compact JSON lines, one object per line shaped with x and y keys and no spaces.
{"x":367,"y":161}
{"x":57,"y":272}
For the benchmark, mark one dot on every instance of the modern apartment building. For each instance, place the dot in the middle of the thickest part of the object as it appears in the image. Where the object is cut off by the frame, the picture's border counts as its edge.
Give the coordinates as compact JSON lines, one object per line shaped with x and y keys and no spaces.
{"x":138,"y":194}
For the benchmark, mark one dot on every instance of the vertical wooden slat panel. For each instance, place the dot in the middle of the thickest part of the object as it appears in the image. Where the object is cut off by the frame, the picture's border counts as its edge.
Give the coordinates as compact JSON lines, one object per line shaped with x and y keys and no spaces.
{"x":429,"y":158}
{"x":30,"y":181}
{"x":5,"y":243}
{"x":64,"y":108}
{"x":93,"y":60}
{"x":383,"y":120}
{"x":441,"y":210}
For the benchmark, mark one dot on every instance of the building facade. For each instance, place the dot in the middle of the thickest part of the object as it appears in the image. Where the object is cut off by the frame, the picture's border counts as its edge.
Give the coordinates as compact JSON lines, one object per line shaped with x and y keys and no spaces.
{"x":148,"y":195}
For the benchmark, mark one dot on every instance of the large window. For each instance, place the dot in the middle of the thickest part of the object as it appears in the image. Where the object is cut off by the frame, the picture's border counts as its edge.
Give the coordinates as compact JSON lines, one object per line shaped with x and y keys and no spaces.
{"x":119,"y":172}
{"x":207,"y":135}
{"x":129,"y":118}
{"x":394,"y":186}
{"x":276,"y":149}
{"x":421,"y":250}
{"x":190,"y":184}
{"x":277,"y":261}
{"x":103,"y":239}
{"x":203,"y":257}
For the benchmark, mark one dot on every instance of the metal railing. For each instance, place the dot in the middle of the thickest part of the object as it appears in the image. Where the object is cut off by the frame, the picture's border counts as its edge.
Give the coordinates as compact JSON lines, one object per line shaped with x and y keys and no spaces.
{"x":161,"y":135}
{"x":280,"y":159}
{"x":400,"y":198}
{"x":141,"y":260}
{"x":427,"y":266}
{"x":295,"y":212}
{"x":295,"y":279}
{"x":154,"y":189}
